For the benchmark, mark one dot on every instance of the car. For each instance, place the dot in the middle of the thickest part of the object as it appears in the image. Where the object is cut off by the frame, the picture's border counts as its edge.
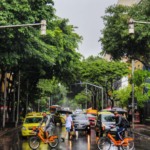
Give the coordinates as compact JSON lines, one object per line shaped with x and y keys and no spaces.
{"x":92,"y":116}
{"x":31,"y":120}
{"x":81,"y":123}
{"x":92,"y":119}
{"x":103,"y":122}
{"x":77,"y":111}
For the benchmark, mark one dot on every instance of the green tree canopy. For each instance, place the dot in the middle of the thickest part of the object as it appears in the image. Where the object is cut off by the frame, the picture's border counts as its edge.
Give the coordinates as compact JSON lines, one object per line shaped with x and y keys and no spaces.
{"x":116,"y":39}
{"x":36,"y":56}
{"x":141,"y":88}
{"x":100,"y":72}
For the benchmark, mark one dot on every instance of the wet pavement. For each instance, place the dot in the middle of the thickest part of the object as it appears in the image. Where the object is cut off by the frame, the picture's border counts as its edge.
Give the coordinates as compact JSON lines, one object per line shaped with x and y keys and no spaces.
{"x":14,"y":141}
{"x":83,"y":141}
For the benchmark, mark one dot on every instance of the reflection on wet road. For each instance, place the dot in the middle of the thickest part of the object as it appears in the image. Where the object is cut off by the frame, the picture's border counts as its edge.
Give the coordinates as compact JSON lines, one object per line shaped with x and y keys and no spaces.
{"x":81,"y":142}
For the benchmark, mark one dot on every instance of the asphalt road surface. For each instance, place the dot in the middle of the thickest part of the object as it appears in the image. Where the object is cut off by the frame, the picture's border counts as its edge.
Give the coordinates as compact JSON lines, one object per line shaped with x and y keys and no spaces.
{"x":14,"y":141}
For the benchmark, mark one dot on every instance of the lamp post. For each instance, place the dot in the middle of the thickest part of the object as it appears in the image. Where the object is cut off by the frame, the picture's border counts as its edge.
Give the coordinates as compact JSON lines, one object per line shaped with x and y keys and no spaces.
{"x":42,"y":23}
{"x":99,"y":87}
{"x":131,"y":24}
{"x":18,"y":100}
{"x":5,"y":97}
{"x":131,"y":31}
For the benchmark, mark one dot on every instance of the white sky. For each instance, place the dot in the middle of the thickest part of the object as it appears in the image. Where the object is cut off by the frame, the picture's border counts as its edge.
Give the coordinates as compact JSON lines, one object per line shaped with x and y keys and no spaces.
{"x":86,"y":15}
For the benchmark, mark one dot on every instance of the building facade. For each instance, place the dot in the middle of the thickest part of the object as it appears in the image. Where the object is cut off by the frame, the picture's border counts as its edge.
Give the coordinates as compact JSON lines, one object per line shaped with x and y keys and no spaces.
{"x":128,"y":2}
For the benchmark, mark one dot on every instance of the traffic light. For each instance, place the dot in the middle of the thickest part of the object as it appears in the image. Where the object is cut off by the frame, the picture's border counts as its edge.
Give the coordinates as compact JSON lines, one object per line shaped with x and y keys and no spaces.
{"x":43,"y":27}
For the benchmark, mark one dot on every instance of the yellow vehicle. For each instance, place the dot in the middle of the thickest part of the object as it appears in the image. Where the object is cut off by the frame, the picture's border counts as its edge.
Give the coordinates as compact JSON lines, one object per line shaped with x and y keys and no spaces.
{"x":92,"y":111}
{"x":31,"y":120}
{"x":92,"y":116}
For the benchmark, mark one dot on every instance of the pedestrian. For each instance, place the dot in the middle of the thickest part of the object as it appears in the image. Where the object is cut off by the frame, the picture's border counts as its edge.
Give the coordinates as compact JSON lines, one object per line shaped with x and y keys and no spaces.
{"x":68,"y":125}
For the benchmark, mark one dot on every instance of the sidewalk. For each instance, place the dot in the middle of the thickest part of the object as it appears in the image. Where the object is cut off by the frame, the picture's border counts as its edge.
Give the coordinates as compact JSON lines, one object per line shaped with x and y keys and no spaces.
{"x":7,"y":130}
{"x":142,"y":130}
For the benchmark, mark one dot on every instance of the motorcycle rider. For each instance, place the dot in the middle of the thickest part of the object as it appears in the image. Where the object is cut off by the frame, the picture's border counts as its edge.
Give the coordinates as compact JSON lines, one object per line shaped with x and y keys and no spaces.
{"x":119,"y":124}
{"x":49,"y":124}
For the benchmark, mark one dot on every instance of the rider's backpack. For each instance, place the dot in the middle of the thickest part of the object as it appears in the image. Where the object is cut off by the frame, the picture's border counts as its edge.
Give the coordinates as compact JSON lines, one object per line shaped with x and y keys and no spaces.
{"x":125,"y":123}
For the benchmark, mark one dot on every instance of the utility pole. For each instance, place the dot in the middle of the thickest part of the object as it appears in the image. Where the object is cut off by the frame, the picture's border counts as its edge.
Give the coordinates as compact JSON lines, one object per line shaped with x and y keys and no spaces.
{"x":18,"y":99}
{"x":5,"y":98}
{"x":86,"y":97}
{"x":99,"y":87}
{"x":133,"y":103}
{"x":131,"y":24}
{"x":27,"y":100}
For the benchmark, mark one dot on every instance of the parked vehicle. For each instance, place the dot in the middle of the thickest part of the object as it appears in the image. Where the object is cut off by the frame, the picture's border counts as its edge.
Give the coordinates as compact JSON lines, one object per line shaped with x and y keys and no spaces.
{"x":104,"y":121}
{"x":81,"y":123}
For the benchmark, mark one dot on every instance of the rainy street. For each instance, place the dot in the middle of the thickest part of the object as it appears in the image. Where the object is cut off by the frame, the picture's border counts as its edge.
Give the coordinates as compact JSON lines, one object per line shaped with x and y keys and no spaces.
{"x":14,"y":141}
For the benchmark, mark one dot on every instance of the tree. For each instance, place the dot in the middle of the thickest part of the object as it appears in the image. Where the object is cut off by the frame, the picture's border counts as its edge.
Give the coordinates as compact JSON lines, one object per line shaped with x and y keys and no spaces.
{"x":116,"y":40}
{"x":82,"y":99}
{"x":24,"y":49}
{"x":141,"y":88}
{"x":103,"y":73}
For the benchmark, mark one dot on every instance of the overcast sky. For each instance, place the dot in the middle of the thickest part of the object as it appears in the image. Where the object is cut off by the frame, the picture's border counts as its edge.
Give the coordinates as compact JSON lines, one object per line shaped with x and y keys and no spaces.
{"x":86,"y":15}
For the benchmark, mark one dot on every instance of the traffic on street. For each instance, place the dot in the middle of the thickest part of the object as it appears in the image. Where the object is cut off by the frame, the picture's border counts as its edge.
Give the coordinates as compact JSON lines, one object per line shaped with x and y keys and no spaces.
{"x":81,"y":141}
{"x":56,"y":94}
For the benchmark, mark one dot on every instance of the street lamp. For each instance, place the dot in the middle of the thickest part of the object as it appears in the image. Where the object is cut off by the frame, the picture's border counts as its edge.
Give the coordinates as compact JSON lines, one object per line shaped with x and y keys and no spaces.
{"x":99,"y":87}
{"x":42,"y":23}
{"x":131,"y":31}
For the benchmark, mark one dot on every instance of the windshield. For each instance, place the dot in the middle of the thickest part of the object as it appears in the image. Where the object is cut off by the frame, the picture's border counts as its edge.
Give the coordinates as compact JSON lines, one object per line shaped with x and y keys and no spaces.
{"x":108,"y":118}
{"x":91,"y":115}
{"x":33,"y":120}
{"x":79,"y":117}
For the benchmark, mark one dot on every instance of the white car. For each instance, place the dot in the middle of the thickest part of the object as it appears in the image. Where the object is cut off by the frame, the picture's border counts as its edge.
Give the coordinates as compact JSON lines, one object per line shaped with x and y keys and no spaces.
{"x":77,"y":111}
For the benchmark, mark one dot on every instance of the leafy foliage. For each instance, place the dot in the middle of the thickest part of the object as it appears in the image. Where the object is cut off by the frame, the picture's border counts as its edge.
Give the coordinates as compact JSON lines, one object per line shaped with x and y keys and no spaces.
{"x":141,"y":89}
{"x":37,"y":57}
{"x":116,"y":40}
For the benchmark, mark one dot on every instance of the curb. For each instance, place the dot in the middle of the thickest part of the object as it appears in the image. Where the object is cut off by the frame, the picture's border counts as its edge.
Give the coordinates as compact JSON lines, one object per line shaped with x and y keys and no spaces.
{"x":148,"y":137}
{"x":9,"y":130}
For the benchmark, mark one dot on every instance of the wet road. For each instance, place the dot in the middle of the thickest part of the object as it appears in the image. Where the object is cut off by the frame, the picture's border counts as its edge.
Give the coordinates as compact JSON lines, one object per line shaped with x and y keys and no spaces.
{"x":81,"y":142}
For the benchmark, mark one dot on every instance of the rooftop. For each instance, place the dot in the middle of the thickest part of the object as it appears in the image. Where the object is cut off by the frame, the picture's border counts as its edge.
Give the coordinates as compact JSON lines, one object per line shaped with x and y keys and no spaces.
{"x":128,"y":2}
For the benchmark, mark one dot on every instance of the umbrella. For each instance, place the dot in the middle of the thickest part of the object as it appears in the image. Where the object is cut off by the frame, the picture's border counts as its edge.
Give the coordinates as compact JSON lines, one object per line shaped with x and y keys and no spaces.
{"x":64,"y":111}
{"x":118,"y":109}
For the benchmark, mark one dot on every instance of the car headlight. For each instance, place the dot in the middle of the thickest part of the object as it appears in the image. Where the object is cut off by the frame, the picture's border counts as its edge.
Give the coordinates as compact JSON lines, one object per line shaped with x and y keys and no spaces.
{"x":24,"y":128}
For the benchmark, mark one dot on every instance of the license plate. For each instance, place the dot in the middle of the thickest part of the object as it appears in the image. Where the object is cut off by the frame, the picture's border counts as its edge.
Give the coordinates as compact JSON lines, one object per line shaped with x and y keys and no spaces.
{"x":80,"y":126}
